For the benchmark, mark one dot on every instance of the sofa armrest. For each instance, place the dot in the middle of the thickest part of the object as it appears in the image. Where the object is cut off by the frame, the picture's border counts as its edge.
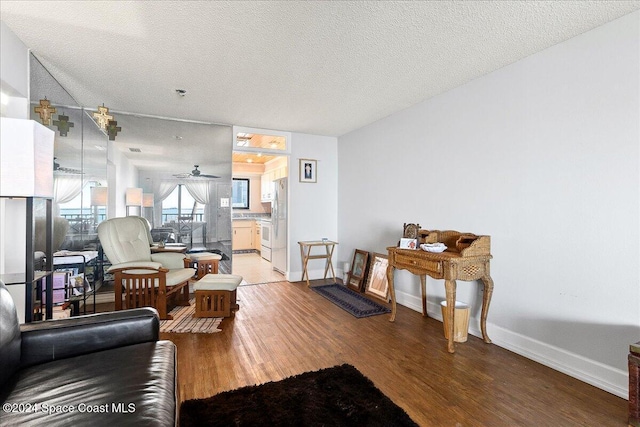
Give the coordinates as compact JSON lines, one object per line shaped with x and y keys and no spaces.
{"x":58,"y":339}
{"x":170,"y":260}
{"x":146,"y":265}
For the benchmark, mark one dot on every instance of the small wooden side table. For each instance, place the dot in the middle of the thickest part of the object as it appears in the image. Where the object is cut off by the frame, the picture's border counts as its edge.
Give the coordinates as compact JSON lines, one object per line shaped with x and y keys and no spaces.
{"x":305,"y":254}
{"x":168,"y":248}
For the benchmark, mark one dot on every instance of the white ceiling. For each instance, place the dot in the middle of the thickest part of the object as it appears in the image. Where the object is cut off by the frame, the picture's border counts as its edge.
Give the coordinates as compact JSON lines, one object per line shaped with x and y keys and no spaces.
{"x":314,"y":67}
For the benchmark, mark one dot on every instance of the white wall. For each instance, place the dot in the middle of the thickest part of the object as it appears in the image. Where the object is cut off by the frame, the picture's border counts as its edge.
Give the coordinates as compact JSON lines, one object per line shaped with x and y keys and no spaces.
{"x":543,"y":155}
{"x":121,"y":175}
{"x":14,"y":74}
{"x":313,"y":207}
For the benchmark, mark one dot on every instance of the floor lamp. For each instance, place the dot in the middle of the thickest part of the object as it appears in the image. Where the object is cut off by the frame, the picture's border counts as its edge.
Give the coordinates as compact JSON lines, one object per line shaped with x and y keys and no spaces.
{"x":98,"y":198}
{"x":147,"y":202}
{"x":133,"y":199}
{"x":26,"y":173}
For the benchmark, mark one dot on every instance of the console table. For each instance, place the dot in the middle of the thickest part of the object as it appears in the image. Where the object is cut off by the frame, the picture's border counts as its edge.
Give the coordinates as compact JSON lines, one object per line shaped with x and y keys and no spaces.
{"x":305,"y":254}
{"x":634,"y":384}
{"x":466,"y":258}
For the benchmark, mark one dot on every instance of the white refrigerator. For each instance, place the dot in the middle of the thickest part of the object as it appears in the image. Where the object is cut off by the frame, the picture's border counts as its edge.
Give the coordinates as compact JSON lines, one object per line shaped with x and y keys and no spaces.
{"x":279,"y":226}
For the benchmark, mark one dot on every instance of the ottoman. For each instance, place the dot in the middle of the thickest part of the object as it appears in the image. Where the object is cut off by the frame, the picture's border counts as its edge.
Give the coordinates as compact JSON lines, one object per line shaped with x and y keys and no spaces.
{"x":203,"y":262}
{"x":216,"y":295}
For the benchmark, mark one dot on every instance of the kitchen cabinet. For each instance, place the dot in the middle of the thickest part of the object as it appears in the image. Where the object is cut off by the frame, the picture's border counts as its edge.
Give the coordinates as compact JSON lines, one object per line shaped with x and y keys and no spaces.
{"x":281,"y":172}
{"x":242,"y":235}
{"x":266,"y":182}
{"x":267,"y":187}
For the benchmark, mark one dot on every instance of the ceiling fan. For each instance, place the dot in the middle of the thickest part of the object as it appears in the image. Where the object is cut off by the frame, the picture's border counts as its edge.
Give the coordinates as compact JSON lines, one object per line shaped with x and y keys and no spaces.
{"x":62,"y":169}
{"x":195,"y":173}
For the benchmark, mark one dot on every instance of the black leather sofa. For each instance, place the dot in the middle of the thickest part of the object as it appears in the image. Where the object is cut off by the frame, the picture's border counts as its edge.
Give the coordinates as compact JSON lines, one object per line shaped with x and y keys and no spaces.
{"x":107,"y":369}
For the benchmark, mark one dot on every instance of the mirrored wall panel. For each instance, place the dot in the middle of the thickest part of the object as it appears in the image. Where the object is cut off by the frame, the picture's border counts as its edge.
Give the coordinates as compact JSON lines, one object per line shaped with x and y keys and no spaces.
{"x":80,"y":159}
{"x":184,"y":171}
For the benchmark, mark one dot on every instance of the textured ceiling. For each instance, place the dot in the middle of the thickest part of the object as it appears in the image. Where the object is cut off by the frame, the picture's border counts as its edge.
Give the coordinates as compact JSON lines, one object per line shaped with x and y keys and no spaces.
{"x":315,"y":67}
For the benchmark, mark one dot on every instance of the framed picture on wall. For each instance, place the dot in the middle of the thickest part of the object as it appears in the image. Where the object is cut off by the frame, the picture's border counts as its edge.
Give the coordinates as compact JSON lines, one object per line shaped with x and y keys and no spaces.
{"x":377,"y":284}
{"x":308,"y":170}
{"x":358,"y":271}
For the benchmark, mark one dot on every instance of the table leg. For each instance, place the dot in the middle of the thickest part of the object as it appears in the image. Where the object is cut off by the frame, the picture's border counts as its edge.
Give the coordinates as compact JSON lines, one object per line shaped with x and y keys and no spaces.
{"x":423,"y":284}
{"x":392,"y":292}
{"x":305,"y":260}
{"x":330,"y":262}
{"x":486,"y":300}
{"x":327,"y":262}
{"x":450,"y":287}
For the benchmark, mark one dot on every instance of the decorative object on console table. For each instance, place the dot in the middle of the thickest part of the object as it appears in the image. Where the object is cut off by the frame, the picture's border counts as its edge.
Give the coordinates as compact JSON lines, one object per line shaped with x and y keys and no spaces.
{"x":308,"y":170}
{"x":408,"y":243}
{"x":410,"y":231}
{"x":377,"y":283}
{"x":358,"y":270}
{"x":466,"y":258}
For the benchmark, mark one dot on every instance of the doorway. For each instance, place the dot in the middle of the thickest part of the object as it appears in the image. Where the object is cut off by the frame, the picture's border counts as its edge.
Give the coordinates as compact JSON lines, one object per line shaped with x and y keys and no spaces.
{"x":252,"y":237}
{"x":260,"y":169}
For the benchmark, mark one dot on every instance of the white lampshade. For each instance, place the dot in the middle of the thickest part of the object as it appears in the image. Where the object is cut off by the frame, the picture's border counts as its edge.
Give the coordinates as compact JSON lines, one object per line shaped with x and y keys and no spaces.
{"x":26,"y":158}
{"x":147,"y":200}
{"x":99,"y":196}
{"x":133,"y":197}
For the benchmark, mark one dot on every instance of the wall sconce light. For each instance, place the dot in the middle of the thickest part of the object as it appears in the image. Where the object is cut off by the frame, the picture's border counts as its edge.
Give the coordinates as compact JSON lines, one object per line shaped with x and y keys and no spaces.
{"x":133,"y":198}
{"x":26,"y":158}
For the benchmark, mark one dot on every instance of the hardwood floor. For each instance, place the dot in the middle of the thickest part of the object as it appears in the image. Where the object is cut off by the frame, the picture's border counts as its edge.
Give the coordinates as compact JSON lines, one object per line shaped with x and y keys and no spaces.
{"x":284,"y":329}
{"x":255,"y":269}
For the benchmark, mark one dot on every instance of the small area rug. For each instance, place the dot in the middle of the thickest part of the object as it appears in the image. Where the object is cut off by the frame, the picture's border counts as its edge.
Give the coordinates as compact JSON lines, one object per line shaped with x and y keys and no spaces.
{"x":337,"y":396}
{"x":350,"y":301}
{"x":183,"y":321}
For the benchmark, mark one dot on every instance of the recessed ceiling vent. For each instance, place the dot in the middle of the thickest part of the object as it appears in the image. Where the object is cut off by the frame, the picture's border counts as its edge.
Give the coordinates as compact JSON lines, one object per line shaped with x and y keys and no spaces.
{"x":135,"y":150}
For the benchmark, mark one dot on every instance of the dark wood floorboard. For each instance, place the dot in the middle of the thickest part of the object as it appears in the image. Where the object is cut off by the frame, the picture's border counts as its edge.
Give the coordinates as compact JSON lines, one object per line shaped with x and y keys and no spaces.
{"x":284,"y":329}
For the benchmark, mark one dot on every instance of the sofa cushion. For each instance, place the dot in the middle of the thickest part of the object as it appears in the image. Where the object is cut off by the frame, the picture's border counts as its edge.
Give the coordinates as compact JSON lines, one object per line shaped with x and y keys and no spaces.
{"x":10,"y":342}
{"x":131,"y":385}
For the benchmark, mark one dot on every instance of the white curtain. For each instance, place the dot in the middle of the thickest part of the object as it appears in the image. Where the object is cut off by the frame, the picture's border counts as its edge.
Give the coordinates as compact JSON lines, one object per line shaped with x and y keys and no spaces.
{"x":66,"y":187}
{"x":201,"y":193}
{"x":161,"y":190}
{"x":199,"y":190}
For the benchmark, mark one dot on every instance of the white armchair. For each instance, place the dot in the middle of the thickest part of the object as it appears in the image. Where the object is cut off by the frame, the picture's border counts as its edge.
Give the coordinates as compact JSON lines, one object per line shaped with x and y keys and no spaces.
{"x":141,"y":278}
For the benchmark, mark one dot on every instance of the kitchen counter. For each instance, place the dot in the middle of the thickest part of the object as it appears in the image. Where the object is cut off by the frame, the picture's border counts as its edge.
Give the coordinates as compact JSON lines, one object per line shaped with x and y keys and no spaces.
{"x":251,"y":218}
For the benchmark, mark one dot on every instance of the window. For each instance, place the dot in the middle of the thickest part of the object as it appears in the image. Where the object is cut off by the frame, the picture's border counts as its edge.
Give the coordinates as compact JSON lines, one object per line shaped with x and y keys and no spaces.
{"x":240,"y":193}
{"x":180,"y":203}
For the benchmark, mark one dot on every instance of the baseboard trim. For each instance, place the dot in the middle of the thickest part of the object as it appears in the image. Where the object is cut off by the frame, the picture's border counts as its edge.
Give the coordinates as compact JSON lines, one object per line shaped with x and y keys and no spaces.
{"x":294,"y":276}
{"x":604,"y":377}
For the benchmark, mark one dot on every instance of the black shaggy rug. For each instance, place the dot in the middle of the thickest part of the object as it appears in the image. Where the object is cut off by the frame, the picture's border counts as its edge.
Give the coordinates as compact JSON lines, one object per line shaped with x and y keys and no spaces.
{"x":338,"y":396}
{"x":350,"y":301}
